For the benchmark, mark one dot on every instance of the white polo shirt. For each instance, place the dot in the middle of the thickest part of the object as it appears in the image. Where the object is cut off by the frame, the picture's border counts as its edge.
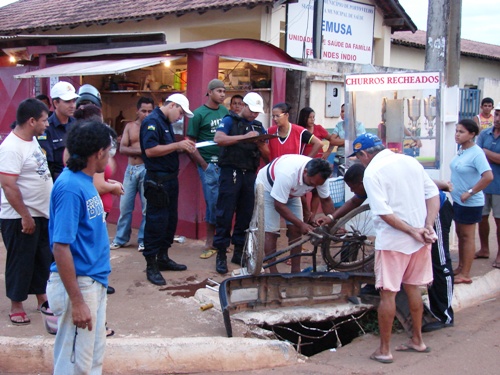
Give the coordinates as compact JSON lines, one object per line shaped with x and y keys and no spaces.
{"x":287,"y":173}
{"x":397,"y":184}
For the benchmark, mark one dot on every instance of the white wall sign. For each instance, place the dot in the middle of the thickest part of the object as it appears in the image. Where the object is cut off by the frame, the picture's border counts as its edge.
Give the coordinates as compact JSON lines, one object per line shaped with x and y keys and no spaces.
{"x":347,"y":31}
{"x":396,"y":81}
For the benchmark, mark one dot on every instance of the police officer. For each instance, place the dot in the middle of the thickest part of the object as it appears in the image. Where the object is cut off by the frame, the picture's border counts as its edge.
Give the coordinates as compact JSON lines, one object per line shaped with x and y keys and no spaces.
{"x":53,"y":141}
{"x":161,"y":186}
{"x":239,"y":161}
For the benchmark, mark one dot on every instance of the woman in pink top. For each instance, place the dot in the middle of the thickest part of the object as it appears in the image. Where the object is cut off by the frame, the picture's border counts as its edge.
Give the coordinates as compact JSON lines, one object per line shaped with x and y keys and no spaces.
{"x":306,"y":120}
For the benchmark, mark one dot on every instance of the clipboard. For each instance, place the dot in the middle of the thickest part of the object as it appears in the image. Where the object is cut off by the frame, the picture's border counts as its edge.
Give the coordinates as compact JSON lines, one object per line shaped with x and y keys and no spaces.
{"x":261,"y":137}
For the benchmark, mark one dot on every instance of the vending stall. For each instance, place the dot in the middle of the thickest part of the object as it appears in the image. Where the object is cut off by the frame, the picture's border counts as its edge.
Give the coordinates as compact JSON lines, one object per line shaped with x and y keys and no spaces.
{"x":407,"y":111}
{"x":122,"y":75}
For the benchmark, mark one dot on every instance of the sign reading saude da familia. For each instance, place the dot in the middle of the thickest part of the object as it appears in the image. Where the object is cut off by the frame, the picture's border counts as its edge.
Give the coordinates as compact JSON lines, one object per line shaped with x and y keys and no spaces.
{"x":347,"y":31}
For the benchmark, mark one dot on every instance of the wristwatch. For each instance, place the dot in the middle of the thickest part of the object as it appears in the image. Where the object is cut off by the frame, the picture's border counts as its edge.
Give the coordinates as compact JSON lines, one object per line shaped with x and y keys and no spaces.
{"x":470,"y":191}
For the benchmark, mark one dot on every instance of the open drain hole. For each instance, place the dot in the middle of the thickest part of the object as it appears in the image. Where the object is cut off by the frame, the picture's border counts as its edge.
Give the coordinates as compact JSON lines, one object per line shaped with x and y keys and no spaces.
{"x":310,"y":338}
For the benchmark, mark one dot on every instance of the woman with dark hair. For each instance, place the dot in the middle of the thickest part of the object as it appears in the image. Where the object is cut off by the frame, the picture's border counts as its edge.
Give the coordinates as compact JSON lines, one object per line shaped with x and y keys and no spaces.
{"x":306,"y":120}
{"x":292,"y":138}
{"x":470,"y":174}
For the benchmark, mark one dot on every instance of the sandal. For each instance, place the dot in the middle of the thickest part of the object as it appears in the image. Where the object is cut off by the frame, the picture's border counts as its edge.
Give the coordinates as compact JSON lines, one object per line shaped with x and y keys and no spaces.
{"x":208,"y":253}
{"x":22,"y":315}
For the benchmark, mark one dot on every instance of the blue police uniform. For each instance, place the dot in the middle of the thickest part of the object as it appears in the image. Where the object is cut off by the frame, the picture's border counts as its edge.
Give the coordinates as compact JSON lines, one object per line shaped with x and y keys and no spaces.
{"x":53,"y":142}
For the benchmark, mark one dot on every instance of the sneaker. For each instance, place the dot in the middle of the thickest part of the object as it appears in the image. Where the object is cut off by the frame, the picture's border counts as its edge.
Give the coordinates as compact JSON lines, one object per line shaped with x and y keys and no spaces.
{"x":113,"y":245}
{"x":140,"y":247}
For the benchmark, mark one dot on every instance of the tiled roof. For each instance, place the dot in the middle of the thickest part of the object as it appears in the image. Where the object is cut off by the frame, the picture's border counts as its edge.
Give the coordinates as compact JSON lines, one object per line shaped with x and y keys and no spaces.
{"x":26,"y":16}
{"x":29,"y":16}
{"x":467,"y":47}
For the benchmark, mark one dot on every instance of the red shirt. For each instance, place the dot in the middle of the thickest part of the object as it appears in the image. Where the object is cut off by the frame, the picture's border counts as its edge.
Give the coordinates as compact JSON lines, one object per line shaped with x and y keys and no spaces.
{"x":107,"y":198}
{"x":320,"y":133}
{"x":292,"y":144}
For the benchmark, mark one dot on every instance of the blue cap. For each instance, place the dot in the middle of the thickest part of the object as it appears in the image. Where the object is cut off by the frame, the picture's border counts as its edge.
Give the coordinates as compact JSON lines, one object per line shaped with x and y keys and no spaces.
{"x":363,"y":142}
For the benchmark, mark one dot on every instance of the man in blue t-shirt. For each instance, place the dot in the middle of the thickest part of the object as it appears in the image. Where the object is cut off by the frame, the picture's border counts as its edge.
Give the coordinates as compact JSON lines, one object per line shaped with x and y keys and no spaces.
{"x":78,"y":236}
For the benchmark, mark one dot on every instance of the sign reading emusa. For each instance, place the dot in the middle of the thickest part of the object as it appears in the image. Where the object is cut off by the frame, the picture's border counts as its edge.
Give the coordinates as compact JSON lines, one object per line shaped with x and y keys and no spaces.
{"x":347,"y":31}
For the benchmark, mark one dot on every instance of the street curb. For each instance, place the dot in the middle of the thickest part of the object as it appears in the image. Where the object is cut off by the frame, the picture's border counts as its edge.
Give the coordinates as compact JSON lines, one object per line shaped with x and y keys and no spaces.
{"x":197,"y":354}
{"x":157,"y":355}
{"x":481,"y":289}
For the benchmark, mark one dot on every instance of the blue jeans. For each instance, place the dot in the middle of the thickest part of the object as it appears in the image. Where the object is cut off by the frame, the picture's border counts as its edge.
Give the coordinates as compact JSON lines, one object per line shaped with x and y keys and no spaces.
{"x":88,"y":354}
{"x":133,"y":183}
{"x":210,"y":184}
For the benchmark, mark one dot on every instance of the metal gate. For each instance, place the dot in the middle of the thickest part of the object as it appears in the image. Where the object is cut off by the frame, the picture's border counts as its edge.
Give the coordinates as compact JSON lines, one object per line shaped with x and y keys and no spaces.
{"x":469,"y":103}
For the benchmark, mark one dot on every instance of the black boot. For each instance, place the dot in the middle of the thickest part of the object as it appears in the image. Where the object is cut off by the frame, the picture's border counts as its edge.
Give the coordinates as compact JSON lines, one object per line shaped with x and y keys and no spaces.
{"x":167,"y":264}
{"x":152,"y":272}
{"x":237,"y":255}
{"x":221,"y":261}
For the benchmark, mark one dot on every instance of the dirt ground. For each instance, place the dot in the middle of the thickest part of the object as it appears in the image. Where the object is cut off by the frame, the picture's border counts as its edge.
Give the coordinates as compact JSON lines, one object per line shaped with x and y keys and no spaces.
{"x":140,"y":309}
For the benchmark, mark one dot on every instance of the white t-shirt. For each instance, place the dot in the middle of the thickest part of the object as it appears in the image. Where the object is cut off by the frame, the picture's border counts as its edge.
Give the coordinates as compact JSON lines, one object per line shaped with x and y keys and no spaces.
{"x":287,"y":173}
{"x":397,"y":184}
{"x":26,"y":160}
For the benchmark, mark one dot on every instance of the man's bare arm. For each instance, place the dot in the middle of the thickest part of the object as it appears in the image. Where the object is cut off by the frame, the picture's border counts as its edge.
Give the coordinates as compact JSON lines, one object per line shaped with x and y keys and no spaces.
{"x":15,"y":198}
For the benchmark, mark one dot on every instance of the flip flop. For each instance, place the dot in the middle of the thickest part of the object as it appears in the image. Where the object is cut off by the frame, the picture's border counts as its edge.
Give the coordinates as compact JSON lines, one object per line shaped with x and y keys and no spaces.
{"x":21,"y":314}
{"x":496,"y":265}
{"x":208,"y":253}
{"x":461,"y":280}
{"x":381,"y":358}
{"x":410,"y":349}
{"x":109,"y":332}
{"x":481,"y":256}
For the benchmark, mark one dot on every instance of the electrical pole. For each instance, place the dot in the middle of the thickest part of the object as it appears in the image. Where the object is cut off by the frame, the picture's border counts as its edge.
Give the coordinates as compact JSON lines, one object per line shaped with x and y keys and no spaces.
{"x":318,"y":28}
{"x":442,"y":50}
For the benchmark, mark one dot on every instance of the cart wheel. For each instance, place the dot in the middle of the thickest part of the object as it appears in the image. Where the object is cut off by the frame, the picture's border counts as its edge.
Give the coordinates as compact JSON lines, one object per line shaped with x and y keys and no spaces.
{"x":254,"y":244}
{"x":351,"y":243}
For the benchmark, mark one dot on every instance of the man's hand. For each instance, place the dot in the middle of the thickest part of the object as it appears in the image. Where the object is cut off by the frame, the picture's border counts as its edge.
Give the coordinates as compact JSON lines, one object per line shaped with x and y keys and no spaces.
{"x":251,"y":134}
{"x":306,"y":228}
{"x":430,"y":235}
{"x":187,"y":146}
{"x":324,"y":220}
{"x":28,"y":224}
{"x":81,"y":316}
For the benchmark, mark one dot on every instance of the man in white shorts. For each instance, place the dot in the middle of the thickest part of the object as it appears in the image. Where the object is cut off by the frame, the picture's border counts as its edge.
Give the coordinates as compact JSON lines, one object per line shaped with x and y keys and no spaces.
{"x":285,"y":180}
{"x":404,"y":202}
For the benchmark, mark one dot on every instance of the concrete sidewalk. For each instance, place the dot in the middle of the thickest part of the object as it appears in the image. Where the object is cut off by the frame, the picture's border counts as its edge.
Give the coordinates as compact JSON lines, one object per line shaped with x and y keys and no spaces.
{"x":163,"y":330}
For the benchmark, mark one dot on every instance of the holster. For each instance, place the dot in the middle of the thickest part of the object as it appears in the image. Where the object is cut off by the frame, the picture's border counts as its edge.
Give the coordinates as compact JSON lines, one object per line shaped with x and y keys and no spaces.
{"x":155,"y":194}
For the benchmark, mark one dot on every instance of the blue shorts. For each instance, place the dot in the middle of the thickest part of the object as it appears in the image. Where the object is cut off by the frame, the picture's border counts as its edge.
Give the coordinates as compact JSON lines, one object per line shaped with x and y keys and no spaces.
{"x":467,"y":215}
{"x":272,"y":218}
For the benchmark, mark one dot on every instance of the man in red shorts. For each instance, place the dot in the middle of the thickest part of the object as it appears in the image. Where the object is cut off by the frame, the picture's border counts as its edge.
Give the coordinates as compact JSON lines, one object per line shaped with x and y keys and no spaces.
{"x":404,"y":202}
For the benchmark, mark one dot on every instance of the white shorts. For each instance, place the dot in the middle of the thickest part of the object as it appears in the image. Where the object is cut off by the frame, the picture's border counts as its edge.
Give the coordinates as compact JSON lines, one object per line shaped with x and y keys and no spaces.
{"x":272,"y":218}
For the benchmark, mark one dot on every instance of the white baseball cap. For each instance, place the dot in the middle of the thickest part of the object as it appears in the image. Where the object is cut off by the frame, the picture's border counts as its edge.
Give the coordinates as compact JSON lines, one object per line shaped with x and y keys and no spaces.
{"x":64,"y":91}
{"x":254,"y":102}
{"x":497,"y":108}
{"x":182,"y":101}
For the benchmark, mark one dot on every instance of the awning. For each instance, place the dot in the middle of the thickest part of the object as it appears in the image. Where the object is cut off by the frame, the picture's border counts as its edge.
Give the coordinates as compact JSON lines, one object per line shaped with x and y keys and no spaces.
{"x":277,"y":64}
{"x":101,"y":67}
